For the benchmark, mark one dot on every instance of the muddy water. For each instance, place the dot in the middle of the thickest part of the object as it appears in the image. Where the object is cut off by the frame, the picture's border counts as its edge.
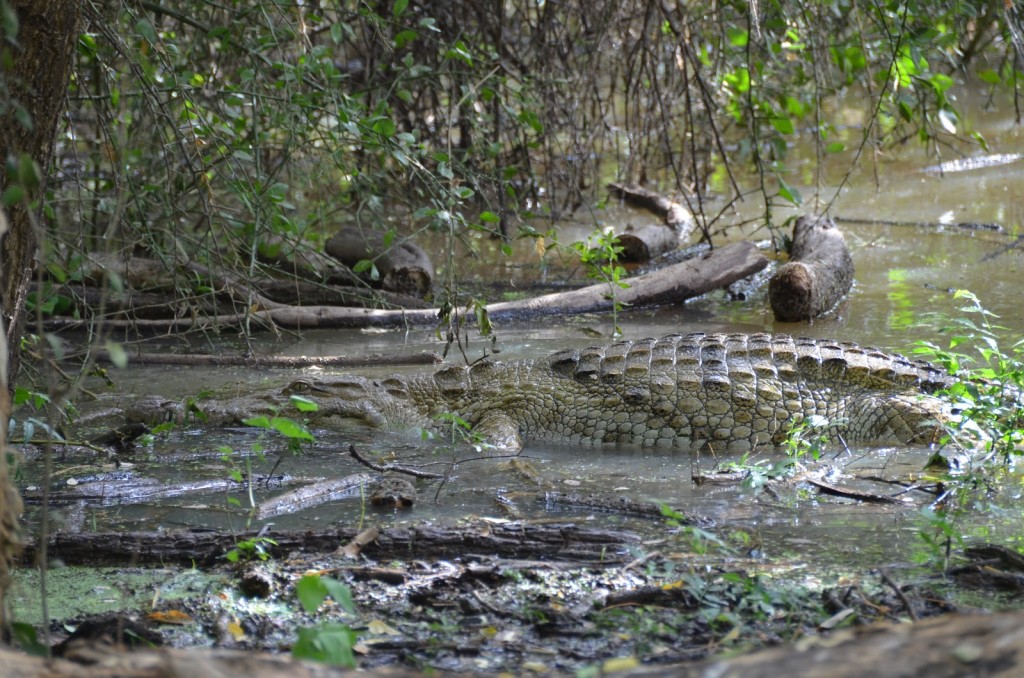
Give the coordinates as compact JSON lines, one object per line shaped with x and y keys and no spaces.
{"x":905,"y":274}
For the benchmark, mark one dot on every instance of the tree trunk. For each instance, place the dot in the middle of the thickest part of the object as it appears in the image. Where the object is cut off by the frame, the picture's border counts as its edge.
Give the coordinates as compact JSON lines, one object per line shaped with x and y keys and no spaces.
{"x":818,"y":275}
{"x":37,"y":66}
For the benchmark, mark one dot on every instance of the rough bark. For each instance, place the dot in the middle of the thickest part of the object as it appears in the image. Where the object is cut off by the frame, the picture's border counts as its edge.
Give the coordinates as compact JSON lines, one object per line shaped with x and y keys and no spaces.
{"x":37,"y":68}
{"x":818,"y":275}
{"x":38,"y":80}
{"x":402,"y":266}
{"x":670,"y":285}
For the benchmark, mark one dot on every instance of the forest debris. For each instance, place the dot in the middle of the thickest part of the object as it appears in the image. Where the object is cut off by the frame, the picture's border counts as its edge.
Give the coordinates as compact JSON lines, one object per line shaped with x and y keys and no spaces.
{"x":837,"y":491}
{"x":312,"y":495}
{"x":670,"y":285}
{"x":401,"y":266}
{"x":817,"y":276}
{"x":354,"y":547}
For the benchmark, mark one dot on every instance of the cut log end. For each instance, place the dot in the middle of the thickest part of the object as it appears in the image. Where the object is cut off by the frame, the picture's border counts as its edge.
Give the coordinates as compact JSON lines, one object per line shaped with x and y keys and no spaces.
{"x":818,"y":275}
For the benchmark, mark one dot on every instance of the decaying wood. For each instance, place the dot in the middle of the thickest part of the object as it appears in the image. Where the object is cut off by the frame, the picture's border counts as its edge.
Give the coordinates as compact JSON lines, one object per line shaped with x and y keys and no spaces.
{"x":670,"y":285}
{"x":515,"y":540}
{"x":817,"y":276}
{"x":835,"y":490}
{"x":644,"y":243}
{"x":313,"y":495}
{"x":402,"y":266}
{"x":222,"y":360}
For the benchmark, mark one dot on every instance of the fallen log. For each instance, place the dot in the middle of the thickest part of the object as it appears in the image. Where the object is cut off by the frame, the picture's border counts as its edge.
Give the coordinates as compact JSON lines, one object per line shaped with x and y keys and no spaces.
{"x":672,"y":213}
{"x":313,"y":495}
{"x":650,"y":241}
{"x":510,"y":540}
{"x":401,"y":266}
{"x":817,"y":276}
{"x":223,"y":360}
{"x":670,"y":285}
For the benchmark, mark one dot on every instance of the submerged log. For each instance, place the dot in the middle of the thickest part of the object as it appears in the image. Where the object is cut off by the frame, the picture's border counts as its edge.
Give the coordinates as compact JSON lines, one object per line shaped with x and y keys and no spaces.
{"x":818,"y":275}
{"x":401,"y":266}
{"x":670,"y":285}
{"x":516,"y":540}
{"x":647,"y":242}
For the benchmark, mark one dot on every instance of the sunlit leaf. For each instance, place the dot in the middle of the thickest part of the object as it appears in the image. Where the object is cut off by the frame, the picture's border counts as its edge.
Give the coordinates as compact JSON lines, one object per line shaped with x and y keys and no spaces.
{"x":947,"y":119}
{"x":117,"y":354}
{"x":303,"y":404}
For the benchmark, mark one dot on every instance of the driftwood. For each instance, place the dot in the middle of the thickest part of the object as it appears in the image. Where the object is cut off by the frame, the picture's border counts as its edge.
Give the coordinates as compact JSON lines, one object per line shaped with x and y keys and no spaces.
{"x":647,"y":242}
{"x":818,"y":275}
{"x":313,"y":495}
{"x":221,"y":360}
{"x":402,"y":266}
{"x":670,"y":285}
{"x":515,"y":540}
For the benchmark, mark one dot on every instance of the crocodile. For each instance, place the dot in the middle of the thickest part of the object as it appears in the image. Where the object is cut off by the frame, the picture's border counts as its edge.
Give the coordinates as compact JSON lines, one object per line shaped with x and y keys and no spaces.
{"x":734,"y":392}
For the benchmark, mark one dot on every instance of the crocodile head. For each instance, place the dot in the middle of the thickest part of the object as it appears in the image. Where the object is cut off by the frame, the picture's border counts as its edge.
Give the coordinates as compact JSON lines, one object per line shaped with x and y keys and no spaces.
{"x":374,"y":403}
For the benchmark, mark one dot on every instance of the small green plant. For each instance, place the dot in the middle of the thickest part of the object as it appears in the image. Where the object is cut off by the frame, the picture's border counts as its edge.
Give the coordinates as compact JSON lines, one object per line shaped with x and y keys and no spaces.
{"x":327,"y":643}
{"x":600,"y":254}
{"x":988,"y":396}
{"x":257,"y":548}
{"x":807,"y":438}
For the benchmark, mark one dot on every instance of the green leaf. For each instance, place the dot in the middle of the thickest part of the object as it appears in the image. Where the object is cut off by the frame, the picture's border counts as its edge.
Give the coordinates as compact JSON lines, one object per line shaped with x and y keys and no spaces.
{"x":489,"y":217}
{"x":737,"y":36}
{"x":303,"y":404}
{"x":341,"y":593}
{"x":385,"y":127}
{"x":311,"y":591}
{"x":258,"y":422}
{"x":328,"y":643}
{"x":291,"y":429}
{"x":782,"y":125}
{"x":990,"y":76}
{"x":146,"y":30}
{"x":398,"y":9}
{"x":13,"y":195}
{"x":835,"y":147}
{"x":789,"y":193}
{"x":117,"y":354}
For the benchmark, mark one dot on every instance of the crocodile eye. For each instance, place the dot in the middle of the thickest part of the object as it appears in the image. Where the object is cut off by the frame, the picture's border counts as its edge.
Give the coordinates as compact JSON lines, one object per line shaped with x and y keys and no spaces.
{"x":299,"y":386}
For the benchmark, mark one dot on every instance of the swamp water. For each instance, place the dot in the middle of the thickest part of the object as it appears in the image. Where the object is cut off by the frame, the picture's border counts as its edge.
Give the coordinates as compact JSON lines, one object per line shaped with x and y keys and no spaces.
{"x":903,"y":275}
